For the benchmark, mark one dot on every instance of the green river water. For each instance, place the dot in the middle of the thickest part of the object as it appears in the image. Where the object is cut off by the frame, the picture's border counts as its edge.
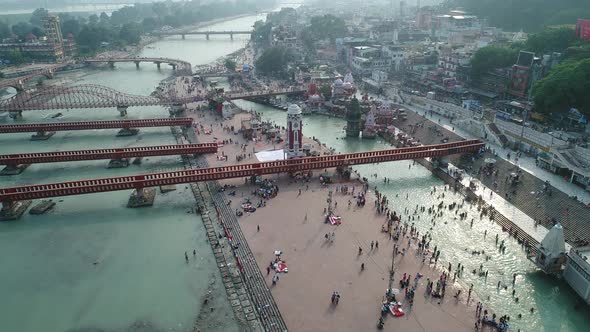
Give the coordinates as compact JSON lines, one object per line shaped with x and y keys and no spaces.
{"x":94,"y":265}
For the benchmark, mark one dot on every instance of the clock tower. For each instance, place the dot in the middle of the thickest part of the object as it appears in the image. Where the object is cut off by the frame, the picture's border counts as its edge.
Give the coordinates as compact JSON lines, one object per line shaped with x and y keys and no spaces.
{"x":294,"y":143}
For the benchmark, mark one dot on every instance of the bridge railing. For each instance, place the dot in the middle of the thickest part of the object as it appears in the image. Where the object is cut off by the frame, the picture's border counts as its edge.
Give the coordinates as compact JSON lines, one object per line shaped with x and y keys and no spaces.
{"x":224,"y":172}
{"x":83,"y":125}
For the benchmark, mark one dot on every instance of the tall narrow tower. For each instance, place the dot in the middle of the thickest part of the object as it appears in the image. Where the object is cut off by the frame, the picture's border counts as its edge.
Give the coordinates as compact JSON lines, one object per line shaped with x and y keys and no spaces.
{"x":294,"y":144}
{"x":54,"y":38}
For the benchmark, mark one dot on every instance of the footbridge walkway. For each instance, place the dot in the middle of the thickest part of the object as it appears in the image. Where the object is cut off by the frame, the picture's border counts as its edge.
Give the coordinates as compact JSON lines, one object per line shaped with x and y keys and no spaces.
{"x":8,"y":196}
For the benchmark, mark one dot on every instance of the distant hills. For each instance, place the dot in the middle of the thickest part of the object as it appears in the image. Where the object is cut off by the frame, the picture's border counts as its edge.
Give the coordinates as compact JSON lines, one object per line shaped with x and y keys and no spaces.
{"x":528,"y":15}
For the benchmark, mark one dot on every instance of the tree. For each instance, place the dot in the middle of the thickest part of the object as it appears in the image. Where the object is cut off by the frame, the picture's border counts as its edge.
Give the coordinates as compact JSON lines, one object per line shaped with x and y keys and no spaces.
{"x":15,"y":57}
{"x":21,"y":29}
{"x":104,"y":18}
{"x":93,"y":19}
{"x":578,"y":51}
{"x":273,"y":61}
{"x":491,"y":57}
{"x":37,"y":16}
{"x":326,"y":91}
{"x":71,"y":26}
{"x":37,"y":32}
{"x":4,"y":30}
{"x":566,"y":86}
{"x":552,"y":39}
{"x":262,"y":32}
{"x":308,"y":40}
{"x":91,"y":36}
{"x":230,"y":65}
{"x":328,"y":26}
{"x":131,"y":33}
{"x":150,"y":24}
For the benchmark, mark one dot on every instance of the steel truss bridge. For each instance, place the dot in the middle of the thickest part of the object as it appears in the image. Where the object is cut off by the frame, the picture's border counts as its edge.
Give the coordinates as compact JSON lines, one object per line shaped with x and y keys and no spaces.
{"x":8,"y":196}
{"x":113,"y":153}
{"x":98,"y":96}
{"x":80,"y":96}
{"x":89,"y":125}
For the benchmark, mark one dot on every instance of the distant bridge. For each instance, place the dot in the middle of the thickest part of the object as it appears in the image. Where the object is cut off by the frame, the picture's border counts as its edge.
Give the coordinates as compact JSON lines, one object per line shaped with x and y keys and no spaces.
{"x":206,"y":33}
{"x":98,"y":96}
{"x":19,"y":83}
{"x":182,"y":67}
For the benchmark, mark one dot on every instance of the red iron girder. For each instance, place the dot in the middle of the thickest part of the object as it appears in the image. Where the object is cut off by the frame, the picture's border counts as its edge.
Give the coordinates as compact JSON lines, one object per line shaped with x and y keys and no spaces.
{"x":234,"y":171}
{"x":115,"y":153}
{"x":87,"y":125}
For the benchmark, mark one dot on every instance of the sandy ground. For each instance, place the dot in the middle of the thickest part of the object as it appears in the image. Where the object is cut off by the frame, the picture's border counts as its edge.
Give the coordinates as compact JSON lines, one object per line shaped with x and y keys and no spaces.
{"x":294,"y":224}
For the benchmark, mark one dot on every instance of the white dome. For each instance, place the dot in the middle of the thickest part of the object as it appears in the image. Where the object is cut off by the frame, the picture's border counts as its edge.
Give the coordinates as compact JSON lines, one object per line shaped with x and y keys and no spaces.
{"x":348,"y":78}
{"x":294,"y":109}
{"x":315,"y":98}
{"x":338,"y":82}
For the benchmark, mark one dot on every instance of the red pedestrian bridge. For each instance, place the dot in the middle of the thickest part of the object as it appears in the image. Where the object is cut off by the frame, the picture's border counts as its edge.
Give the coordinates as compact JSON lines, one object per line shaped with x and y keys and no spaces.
{"x":42,"y":129}
{"x":9,"y":196}
{"x":115,"y":153}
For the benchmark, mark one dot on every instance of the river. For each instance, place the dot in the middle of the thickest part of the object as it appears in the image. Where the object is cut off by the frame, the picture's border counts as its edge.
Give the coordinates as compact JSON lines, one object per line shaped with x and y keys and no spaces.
{"x":553,"y":300}
{"x":94,"y":264}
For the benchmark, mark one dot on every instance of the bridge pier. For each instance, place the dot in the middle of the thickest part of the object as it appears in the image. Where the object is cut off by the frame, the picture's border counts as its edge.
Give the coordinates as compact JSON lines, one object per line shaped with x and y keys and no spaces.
{"x":136,"y":64}
{"x":183,"y":36}
{"x":118,"y":163}
{"x":13,"y":210}
{"x":122,"y":110}
{"x":158,"y":64}
{"x":141,"y":197}
{"x":112,"y":64}
{"x":207,"y":36}
{"x":20,"y":87}
{"x":231,"y":36}
{"x":16,"y":115}
{"x":42,"y":135}
{"x":14,"y":169}
{"x":173,"y":66}
{"x":127,"y":132}
{"x":176,"y":109}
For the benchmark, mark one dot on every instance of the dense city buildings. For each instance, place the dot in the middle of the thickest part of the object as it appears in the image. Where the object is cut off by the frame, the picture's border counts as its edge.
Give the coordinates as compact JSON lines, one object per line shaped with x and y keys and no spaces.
{"x":52,"y":47}
{"x":337,"y":166}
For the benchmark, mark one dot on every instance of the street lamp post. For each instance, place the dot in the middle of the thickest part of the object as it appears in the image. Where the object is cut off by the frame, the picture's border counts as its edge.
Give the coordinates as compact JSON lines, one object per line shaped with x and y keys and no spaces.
{"x":391,"y":275}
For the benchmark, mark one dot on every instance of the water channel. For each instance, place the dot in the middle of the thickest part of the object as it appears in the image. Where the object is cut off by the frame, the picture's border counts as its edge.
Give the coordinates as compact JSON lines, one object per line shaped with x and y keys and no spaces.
{"x":93,"y":263}
{"x":553,"y":301}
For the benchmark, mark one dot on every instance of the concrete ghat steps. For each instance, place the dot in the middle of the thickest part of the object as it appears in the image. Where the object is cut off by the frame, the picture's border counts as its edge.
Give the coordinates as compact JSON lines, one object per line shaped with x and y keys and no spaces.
{"x":253,"y":277}
{"x":239,"y":299}
{"x":255,"y":285}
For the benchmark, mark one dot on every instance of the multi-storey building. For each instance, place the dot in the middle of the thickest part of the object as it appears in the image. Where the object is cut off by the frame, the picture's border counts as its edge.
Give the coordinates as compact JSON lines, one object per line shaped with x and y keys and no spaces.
{"x":52,"y":47}
{"x":54,"y":37}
